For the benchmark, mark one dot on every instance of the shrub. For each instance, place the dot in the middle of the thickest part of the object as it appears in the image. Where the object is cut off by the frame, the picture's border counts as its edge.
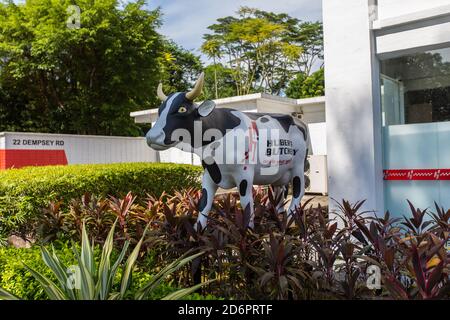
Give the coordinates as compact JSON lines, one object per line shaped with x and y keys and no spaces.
{"x":23,"y":192}
{"x":63,"y":222}
{"x":15,"y":277}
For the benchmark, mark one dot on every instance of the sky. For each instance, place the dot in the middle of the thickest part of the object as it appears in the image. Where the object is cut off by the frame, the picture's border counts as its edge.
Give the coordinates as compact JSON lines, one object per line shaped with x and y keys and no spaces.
{"x":185,"y":21}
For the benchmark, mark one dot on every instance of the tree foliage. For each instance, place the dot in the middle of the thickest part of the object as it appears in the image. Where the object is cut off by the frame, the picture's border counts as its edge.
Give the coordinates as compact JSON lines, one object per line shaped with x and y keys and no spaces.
{"x":83,"y":80}
{"x":304,"y":86}
{"x":219,"y":82}
{"x":310,"y":36}
{"x":179,"y":67}
{"x":263,"y":50}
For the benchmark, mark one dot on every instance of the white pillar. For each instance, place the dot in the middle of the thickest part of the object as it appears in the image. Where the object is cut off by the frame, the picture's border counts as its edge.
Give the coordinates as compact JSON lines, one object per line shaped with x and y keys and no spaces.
{"x":353,"y":109}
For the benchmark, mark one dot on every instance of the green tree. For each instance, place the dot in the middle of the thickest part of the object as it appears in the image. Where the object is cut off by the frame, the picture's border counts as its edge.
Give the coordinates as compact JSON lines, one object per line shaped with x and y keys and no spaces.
{"x":77,"y":80}
{"x":309,"y":35}
{"x":180,"y":68}
{"x":219,"y":82}
{"x":255,"y":46}
{"x":304,"y":86}
{"x":211,"y":47}
{"x":264,"y":50}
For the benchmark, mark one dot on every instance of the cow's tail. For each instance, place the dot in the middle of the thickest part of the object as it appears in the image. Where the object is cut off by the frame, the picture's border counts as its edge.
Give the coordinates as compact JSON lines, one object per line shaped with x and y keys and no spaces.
{"x":304,"y":129}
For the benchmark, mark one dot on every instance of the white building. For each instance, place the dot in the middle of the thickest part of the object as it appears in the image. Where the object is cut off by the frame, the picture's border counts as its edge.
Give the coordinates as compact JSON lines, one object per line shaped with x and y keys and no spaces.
{"x":387,"y":72}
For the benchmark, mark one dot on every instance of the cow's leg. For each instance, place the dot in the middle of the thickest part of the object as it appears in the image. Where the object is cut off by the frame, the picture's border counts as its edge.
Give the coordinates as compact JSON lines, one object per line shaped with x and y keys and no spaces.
{"x":209,"y":189}
{"x":298,"y":190}
{"x":298,"y":182}
{"x":281,"y":193}
{"x":245,"y":187}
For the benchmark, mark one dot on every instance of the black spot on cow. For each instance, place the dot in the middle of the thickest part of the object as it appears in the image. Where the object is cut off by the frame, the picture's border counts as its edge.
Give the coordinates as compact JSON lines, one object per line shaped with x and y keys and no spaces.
{"x":213,"y":169}
{"x":303,"y":130}
{"x":296,"y":185}
{"x":203,"y":200}
{"x":286,"y":121}
{"x":243,"y":188}
{"x":221,"y":119}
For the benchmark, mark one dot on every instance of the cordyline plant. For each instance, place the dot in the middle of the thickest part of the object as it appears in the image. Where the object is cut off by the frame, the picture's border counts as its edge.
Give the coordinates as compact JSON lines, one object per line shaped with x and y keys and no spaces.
{"x":312,"y":255}
{"x":97,"y":282}
{"x":410,"y":251}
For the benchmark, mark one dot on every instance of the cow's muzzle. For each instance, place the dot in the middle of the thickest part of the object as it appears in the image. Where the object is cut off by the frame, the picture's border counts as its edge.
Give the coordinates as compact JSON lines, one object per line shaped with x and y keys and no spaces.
{"x":155,"y":140}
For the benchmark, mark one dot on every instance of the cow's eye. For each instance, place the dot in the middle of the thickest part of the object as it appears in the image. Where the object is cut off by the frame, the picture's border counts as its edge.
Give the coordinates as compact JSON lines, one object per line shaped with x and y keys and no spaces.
{"x":182,"y":110}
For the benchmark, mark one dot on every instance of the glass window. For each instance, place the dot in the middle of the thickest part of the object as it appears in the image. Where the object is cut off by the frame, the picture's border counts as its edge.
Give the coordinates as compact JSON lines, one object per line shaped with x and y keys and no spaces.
{"x":415,"y":96}
{"x":416,"y":88}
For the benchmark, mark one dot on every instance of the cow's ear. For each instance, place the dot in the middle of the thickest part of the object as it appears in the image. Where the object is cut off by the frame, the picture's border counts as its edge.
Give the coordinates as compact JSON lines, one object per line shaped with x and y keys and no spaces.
{"x":206,"y":108}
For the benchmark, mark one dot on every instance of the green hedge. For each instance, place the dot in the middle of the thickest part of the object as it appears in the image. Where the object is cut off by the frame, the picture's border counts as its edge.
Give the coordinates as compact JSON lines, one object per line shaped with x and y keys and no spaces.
{"x":15,"y":278}
{"x":23,"y":192}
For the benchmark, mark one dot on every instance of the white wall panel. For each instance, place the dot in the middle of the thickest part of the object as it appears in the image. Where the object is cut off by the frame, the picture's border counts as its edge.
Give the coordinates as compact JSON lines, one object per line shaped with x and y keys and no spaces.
{"x":353,"y":112}
{"x":422,"y":36}
{"x":393,"y":8}
{"x":84,"y":149}
{"x":318,"y":133}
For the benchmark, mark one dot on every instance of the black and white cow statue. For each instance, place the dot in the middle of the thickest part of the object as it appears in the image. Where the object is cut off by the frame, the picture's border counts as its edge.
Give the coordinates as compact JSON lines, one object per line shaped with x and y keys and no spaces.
{"x":237,"y":149}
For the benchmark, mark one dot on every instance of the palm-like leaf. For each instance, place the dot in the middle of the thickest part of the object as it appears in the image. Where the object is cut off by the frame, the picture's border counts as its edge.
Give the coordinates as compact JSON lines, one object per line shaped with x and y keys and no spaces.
{"x":180,"y":294}
{"x":143,"y":292}
{"x":5,"y":295}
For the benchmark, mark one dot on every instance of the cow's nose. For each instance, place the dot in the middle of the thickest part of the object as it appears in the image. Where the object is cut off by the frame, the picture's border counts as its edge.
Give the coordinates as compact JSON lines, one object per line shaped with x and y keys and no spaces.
{"x":153,"y":137}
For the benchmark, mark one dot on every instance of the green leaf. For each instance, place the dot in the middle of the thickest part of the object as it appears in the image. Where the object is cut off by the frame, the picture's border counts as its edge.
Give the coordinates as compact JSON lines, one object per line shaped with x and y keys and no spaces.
{"x":177,"y":295}
{"x":5,"y":295}
{"x":143,"y":292}
{"x":104,"y":283}
{"x":127,"y":273}
{"x":50,"y":288}
{"x":58,"y":269}
{"x":87,"y":252}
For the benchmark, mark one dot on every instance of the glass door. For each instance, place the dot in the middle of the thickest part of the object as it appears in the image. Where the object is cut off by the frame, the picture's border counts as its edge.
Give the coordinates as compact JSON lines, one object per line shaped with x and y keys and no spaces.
{"x":415,"y":93}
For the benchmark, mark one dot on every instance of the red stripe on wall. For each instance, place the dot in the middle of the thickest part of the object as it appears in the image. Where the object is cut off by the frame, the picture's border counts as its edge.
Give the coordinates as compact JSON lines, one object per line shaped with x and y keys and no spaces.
{"x":2,"y":159}
{"x":417,"y":174}
{"x":22,"y":158}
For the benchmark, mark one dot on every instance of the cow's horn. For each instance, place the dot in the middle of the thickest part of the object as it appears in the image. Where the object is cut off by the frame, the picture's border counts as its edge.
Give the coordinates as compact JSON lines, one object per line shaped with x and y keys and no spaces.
{"x":194,"y":93}
{"x":161,"y":94}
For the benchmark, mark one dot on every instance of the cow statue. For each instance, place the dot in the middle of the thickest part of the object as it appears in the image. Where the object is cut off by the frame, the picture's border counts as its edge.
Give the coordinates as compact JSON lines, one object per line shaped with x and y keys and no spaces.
{"x":237,"y":149}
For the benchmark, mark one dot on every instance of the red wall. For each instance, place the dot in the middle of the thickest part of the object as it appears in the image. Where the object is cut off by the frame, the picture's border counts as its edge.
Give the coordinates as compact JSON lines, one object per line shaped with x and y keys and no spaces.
{"x":2,"y":159}
{"x":23,"y":158}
